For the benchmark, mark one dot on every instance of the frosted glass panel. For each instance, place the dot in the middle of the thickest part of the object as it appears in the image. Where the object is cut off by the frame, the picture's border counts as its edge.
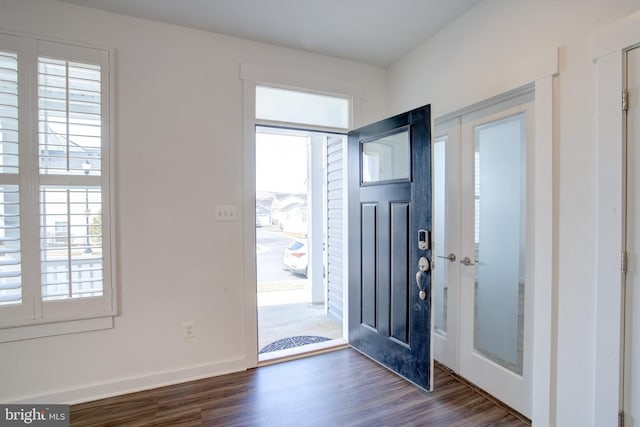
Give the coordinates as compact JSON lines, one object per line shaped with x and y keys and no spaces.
{"x":440,"y":279}
{"x":500,"y":241}
{"x":387,"y":158}
{"x":283,"y":105}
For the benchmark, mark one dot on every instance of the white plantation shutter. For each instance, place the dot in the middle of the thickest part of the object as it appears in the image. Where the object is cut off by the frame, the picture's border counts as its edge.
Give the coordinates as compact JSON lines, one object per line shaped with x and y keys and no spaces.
{"x":10,"y":262}
{"x":8,"y":112}
{"x":70,"y":143}
{"x":55,"y":228}
{"x":10,"y":265}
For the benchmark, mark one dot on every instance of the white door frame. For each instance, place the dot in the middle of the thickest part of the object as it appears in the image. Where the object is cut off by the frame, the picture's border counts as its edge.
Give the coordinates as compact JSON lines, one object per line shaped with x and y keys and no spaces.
{"x":608,"y":51}
{"x":252,"y":75}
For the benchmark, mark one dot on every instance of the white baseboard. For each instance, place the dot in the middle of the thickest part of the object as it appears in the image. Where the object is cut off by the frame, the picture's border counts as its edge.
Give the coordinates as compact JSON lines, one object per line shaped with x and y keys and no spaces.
{"x":135,"y":384}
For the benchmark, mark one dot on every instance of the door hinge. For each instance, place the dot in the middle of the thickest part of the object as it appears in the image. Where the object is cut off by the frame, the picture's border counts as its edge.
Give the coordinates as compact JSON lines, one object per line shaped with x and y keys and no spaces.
{"x":625,"y":100}
{"x":623,"y":264}
{"x":620,"y":418}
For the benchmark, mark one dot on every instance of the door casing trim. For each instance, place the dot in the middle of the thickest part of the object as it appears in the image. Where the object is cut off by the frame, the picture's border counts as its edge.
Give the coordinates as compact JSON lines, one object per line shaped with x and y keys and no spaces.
{"x":252,"y":75}
{"x":608,"y":51}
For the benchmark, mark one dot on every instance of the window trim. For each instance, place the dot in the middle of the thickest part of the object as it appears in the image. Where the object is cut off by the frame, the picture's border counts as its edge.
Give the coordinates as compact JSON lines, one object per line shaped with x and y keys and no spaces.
{"x":39,"y":318}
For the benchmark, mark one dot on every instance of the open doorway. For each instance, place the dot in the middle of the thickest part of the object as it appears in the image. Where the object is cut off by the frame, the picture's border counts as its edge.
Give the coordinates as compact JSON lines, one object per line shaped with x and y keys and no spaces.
{"x":296,"y":257}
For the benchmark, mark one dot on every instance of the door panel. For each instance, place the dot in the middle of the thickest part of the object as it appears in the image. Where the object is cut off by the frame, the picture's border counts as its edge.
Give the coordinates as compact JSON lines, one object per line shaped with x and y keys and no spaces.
{"x":400,"y":270}
{"x":495,"y":236}
{"x":446,"y":246}
{"x":440,"y":275}
{"x":369,"y":266}
{"x":390,"y":194}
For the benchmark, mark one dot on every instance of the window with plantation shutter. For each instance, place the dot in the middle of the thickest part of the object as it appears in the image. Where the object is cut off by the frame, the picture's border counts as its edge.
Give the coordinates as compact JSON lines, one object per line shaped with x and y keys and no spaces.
{"x":55,"y":227}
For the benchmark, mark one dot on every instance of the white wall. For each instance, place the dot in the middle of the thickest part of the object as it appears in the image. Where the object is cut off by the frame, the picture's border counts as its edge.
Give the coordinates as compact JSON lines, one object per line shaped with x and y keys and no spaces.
{"x":178,"y":135}
{"x":498,"y":46}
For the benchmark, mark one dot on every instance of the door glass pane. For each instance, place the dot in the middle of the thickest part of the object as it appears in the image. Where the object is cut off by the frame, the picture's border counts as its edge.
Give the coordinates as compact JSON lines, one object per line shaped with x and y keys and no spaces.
{"x":440,"y":279}
{"x":500,"y":201}
{"x":387,"y":158}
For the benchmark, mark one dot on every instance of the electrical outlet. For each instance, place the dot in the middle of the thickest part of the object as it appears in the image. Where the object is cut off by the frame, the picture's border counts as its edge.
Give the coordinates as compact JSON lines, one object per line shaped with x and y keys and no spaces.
{"x":226,"y":213}
{"x":188,"y":330}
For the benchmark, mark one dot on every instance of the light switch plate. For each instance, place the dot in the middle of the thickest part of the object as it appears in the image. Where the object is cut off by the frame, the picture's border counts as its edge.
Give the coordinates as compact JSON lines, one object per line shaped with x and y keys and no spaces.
{"x":226,"y":213}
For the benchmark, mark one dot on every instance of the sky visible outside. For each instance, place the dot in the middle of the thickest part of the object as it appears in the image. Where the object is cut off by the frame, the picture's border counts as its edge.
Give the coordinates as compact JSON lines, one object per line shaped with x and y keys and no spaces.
{"x":281,"y":163}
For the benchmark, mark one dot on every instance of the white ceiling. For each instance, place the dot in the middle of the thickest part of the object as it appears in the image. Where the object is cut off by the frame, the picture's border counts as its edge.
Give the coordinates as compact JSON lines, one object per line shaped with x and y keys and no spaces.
{"x":377,"y":32}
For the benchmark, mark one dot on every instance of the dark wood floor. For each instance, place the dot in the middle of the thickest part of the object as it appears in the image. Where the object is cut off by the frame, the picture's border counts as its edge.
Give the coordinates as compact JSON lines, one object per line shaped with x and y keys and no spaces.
{"x":342,"y":388}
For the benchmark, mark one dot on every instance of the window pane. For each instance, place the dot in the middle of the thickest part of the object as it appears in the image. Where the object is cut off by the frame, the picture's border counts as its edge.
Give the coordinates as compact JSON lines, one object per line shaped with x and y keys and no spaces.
{"x":69,"y":117}
{"x":71,"y":242}
{"x":387,"y":158}
{"x":8,"y":112}
{"x":292,"y":106}
{"x":10,"y":264}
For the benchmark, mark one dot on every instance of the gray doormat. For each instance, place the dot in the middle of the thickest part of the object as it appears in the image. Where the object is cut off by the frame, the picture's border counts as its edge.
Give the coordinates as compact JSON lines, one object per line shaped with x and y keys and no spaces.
{"x":291,"y":342}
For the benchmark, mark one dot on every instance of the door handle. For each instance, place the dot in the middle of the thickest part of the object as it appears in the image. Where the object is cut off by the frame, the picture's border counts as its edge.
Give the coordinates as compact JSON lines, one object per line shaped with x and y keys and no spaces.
{"x":466,"y":261}
{"x":423,"y":267}
{"x":450,"y":257}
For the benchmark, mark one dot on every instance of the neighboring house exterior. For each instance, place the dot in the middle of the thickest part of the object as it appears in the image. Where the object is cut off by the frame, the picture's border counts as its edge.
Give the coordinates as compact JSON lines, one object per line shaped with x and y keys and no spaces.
{"x":291,"y":213}
{"x":287,"y":211}
{"x":263,"y":215}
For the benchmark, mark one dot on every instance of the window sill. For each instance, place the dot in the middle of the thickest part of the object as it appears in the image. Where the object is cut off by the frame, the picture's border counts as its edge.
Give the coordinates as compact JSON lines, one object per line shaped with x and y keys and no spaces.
{"x":54,"y":329}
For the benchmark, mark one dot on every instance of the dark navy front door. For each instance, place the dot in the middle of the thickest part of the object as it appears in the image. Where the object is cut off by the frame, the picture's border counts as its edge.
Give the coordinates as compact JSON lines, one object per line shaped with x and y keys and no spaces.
{"x":389,"y":214}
